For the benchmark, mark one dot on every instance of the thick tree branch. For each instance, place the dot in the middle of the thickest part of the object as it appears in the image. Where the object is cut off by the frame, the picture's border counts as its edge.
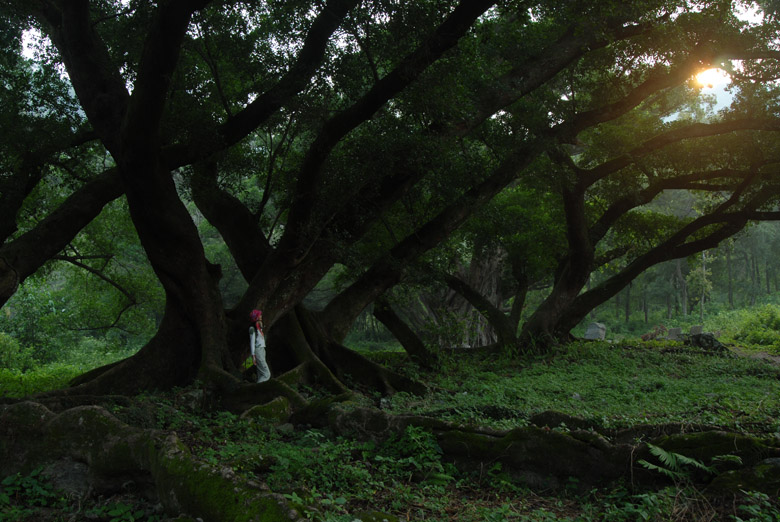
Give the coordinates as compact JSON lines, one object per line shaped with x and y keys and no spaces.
{"x":160,"y":56}
{"x":410,"y":341}
{"x":31,"y":250}
{"x":531,"y":74}
{"x":98,"y":84}
{"x":237,"y":225}
{"x":678,"y":245}
{"x":690,"y":181}
{"x":302,"y":226}
{"x":263,"y":106}
{"x":387,"y":270}
{"x":695,"y":130}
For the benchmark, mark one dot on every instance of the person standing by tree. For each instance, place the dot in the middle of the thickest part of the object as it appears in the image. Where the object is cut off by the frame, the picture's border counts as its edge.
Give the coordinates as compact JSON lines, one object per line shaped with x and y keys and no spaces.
{"x":257,"y":345}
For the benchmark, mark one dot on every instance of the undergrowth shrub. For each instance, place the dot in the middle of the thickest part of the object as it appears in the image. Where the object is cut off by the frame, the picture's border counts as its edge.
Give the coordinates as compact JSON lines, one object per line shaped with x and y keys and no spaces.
{"x":414,"y":452}
{"x":760,"y":327}
{"x":13,"y":355}
{"x":21,"y":495}
{"x":318,"y":463}
{"x":15,"y":383}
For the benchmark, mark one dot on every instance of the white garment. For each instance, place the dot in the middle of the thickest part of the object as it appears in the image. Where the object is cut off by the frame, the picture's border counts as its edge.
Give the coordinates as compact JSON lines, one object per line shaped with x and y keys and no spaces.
{"x":257,"y":348}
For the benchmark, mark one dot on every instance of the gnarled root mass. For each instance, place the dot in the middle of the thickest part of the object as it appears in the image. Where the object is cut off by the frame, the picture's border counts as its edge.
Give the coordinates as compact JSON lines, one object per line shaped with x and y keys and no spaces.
{"x":538,"y":456}
{"x":115,"y":453}
{"x":542,"y":457}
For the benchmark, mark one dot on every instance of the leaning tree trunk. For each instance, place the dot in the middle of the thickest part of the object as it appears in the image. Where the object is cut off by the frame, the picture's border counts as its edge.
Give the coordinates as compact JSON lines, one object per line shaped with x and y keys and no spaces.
{"x":410,"y":341}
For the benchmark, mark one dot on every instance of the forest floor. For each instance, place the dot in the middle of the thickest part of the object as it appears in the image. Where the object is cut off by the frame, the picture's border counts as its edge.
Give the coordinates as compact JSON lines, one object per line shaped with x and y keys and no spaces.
{"x":764,"y":356}
{"x":341,"y":479}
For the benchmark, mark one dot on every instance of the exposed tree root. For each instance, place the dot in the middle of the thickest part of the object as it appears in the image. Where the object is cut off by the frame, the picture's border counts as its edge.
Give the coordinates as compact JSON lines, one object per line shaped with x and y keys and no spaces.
{"x":299,"y":338}
{"x":115,"y":453}
{"x":544,"y":458}
{"x":535,"y":456}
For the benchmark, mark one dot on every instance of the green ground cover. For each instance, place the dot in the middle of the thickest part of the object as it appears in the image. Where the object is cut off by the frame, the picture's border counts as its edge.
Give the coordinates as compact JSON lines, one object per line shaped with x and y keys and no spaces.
{"x":613,"y":386}
{"x":337,"y":478}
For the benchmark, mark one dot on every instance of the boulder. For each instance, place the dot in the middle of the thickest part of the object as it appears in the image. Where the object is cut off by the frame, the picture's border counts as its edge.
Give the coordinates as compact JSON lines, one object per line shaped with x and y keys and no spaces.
{"x":596,"y":332}
{"x":706,"y":341}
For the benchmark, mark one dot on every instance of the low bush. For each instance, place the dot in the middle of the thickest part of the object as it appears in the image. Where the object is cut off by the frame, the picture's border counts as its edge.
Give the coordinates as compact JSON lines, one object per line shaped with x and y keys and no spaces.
{"x":13,"y":355}
{"x":15,"y":383}
{"x":760,"y":327}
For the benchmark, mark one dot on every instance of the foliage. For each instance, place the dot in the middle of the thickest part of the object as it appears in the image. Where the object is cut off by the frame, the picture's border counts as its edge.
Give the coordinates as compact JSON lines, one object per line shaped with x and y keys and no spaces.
{"x":614,"y":386}
{"x":760,"y":327}
{"x":15,"y":383}
{"x":121,"y":512}
{"x":21,"y":494}
{"x":33,"y":318}
{"x":12,"y":355}
{"x":673,"y":465}
{"x":31,"y":498}
{"x":758,"y":508}
{"x":334,"y":477}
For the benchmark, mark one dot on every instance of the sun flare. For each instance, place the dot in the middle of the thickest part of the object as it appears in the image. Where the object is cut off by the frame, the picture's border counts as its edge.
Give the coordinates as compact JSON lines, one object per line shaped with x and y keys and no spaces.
{"x":712,"y":78}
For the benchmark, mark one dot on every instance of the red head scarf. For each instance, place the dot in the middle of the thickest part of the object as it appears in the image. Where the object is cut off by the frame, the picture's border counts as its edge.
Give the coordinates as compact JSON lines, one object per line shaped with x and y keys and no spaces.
{"x":256,"y":316}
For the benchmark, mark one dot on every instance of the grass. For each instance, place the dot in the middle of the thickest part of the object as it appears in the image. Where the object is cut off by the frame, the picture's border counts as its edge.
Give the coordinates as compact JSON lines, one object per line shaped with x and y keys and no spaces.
{"x":14,"y":383}
{"x":337,"y":477}
{"x":614,"y":386}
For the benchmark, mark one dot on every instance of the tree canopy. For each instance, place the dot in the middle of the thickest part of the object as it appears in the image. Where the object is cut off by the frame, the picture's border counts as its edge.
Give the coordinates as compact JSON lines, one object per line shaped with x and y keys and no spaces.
{"x":385,"y":138}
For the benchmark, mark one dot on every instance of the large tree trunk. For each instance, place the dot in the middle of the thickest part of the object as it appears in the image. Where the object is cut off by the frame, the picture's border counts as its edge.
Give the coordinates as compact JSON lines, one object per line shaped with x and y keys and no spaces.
{"x":192,"y":338}
{"x":176,"y":254}
{"x":627,"y":315}
{"x":171,"y":358}
{"x":683,"y":287}
{"x":729,"y":270}
{"x":548,"y":324}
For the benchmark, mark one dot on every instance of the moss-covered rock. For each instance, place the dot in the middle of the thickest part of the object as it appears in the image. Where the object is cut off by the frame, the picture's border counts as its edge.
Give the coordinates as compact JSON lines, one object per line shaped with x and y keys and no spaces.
{"x":363,"y":423}
{"x":763,"y":477}
{"x":541,"y":457}
{"x":704,"y":446}
{"x":318,"y":411}
{"x":375,"y":516}
{"x":185,"y":485}
{"x":276,"y":411}
{"x":20,"y":448}
{"x":115,"y":452}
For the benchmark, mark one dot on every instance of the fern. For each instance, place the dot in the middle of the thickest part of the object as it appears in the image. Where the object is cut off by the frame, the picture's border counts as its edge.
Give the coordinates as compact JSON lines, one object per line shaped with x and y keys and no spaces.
{"x":674,"y":475}
{"x":674,"y":465}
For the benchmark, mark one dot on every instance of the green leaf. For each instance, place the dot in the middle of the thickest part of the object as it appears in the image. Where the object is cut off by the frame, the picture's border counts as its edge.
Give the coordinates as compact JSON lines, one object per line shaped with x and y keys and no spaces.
{"x":675,"y":475}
